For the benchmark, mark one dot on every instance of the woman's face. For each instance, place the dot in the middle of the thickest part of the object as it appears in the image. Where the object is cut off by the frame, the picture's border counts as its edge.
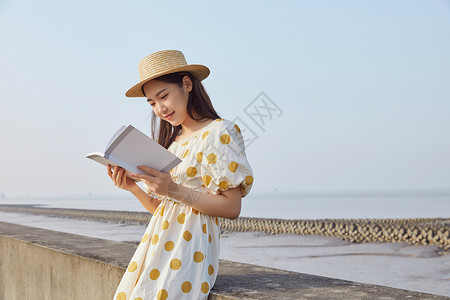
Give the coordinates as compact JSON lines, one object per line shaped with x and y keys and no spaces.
{"x":169,"y":102}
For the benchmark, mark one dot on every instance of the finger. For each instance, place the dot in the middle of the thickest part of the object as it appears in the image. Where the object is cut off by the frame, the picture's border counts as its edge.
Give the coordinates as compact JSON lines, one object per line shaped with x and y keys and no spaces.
{"x":149,"y":170}
{"x":124,"y":177}
{"x":109,"y":171}
{"x":135,"y":178}
{"x":141,"y":177}
{"x":119,"y":176}
{"x":116,"y":175}
{"x":114,"y":172}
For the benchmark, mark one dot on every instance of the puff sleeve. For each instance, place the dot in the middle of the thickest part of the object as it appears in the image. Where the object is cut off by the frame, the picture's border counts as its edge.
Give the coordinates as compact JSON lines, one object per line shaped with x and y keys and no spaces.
{"x":223,"y":162}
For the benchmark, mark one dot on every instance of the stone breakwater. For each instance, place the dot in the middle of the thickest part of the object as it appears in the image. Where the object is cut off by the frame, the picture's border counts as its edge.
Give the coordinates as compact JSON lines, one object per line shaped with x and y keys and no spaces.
{"x":110,"y":216}
{"x":423,"y":231}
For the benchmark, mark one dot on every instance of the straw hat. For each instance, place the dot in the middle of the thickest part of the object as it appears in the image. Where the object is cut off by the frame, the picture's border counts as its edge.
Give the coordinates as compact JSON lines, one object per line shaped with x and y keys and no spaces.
{"x":162,"y":63}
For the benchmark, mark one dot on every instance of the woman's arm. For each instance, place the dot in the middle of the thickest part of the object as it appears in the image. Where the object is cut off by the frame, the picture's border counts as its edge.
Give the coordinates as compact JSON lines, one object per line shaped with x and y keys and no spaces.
{"x":148,"y":202}
{"x":226,"y":205}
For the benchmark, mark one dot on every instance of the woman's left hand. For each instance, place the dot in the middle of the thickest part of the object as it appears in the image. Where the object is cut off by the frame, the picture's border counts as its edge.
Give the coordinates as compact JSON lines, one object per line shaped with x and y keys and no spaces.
{"x":158,"y":182}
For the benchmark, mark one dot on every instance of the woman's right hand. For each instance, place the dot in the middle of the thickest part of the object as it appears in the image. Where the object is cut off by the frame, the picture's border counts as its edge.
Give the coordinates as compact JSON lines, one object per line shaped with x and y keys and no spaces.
{"x":120,"y":178}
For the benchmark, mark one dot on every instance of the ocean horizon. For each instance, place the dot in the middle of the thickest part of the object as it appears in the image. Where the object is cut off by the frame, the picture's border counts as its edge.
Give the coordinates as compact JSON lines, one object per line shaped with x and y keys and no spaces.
{"x":284,"y":205}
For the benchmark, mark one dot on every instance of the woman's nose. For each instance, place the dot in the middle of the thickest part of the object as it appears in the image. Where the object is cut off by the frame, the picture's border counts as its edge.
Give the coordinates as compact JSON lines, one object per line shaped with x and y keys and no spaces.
{"x":163,"y":110}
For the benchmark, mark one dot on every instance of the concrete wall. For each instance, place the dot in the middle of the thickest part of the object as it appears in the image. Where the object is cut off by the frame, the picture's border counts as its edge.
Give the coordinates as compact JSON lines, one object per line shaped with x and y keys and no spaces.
{"x":44,"y":264}
{"x":36,"y":272}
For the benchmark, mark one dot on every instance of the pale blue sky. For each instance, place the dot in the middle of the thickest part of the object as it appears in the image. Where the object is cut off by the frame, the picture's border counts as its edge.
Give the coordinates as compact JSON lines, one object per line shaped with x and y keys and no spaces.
{"x":363,"y":86}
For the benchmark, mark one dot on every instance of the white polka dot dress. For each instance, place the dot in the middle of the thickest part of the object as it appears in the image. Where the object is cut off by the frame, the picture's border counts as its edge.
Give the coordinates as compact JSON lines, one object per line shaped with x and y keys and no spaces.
{"x":178,"y":256}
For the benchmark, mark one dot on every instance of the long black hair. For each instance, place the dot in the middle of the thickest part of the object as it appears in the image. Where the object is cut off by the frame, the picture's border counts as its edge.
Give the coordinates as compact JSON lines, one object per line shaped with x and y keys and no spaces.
{"x":199,"y":104}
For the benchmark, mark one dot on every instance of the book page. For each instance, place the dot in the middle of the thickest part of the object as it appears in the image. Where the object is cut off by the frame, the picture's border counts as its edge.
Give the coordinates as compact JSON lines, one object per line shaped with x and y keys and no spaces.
{"x":134,"y":148}
{"x":118,"y":132}
{"x":99,"y":157}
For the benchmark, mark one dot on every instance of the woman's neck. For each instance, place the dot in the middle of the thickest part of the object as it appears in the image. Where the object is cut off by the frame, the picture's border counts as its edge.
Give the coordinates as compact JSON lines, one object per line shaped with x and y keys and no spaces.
{"x":193,"y":127}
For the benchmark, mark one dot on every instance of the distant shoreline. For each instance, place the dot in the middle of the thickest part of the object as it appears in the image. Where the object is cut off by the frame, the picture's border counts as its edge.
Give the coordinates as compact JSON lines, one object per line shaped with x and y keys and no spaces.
{"x":418,"y":231}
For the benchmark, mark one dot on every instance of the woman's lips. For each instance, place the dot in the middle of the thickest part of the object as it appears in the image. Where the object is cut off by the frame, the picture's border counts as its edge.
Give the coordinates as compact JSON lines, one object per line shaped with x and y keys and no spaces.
{"x":170,"y":116}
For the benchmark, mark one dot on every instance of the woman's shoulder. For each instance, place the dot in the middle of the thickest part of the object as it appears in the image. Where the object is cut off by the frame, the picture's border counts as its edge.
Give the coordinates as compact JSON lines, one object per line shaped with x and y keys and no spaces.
{"x":226,"y":133}
{"x":224,"y":126}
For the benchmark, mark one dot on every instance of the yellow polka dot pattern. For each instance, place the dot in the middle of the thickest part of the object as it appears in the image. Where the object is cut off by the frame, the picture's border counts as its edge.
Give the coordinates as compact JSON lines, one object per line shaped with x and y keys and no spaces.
{"x":121,"y":296}
{"x":225,"y":139}
{"x":213,"y":163}
{"x":144,"y":238}
{"x":186,"y":153}
{"x":165,"y":225}
{"x":169,"y":245}
{"x":237,"y":128}
{"x":155,"y":239}
{"x":181,"y":217}
{"x":222,"y":173}
{"x":207,"y":179}
{"x":211,"y":158}
{"x":248,"y":180}
{"x":232,"y":166}
{"x":175,"y":264}
{"x":132,"y":267}
{"x":198,"y":256}
{"x":187,"y":235}
{"x":154,"y":274}
{"x":223,"y":185}
{"x":217,"y":173}
{"x":205,"y":287}
{"x":191,"y":171}
{"x":162,"y":294}
{"x":199,"y":156}
{"x":186,"y":287}
{"x":210,"y":270}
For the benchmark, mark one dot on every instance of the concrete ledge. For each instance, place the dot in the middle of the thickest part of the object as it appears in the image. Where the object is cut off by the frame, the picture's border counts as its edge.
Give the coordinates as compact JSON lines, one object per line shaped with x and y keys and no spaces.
{"x":44,"y":264}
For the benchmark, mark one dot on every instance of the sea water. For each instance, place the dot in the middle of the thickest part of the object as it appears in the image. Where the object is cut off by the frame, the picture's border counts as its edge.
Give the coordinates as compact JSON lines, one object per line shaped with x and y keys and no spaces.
{"x":283,"y":206}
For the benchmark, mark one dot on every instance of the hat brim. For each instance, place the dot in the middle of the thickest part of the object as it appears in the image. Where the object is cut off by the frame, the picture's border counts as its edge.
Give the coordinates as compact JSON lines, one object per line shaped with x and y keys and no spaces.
{"x":199,"y":71}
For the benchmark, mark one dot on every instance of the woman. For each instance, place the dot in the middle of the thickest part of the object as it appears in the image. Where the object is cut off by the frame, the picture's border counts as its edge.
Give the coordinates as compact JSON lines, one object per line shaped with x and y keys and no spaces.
{"x":178,"y":256}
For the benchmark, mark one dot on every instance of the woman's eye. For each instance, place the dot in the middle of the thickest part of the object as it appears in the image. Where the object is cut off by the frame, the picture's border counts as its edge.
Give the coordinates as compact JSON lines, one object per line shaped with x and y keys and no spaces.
{"x":152,"y":104}
{"x":165,"y":96}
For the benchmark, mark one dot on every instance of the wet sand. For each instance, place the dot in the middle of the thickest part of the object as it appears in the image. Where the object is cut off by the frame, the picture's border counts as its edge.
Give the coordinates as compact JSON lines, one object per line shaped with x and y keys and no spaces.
{"x":399,"y":265}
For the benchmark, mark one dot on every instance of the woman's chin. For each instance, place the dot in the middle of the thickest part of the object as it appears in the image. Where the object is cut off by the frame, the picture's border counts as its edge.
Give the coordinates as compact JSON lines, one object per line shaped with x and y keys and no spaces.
{"x":172,"y":122}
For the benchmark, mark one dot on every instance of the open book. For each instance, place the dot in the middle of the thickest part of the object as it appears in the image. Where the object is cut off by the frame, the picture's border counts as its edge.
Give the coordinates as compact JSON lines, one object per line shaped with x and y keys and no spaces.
{"x":130,"y":147}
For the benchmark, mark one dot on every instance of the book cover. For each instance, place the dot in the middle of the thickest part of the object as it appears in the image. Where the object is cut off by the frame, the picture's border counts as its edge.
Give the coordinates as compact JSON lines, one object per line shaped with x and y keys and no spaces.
{"x":129,"y":147}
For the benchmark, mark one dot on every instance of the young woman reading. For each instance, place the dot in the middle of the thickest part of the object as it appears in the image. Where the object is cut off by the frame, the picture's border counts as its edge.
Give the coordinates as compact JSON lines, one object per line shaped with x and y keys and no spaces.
{"x":178,"y":256}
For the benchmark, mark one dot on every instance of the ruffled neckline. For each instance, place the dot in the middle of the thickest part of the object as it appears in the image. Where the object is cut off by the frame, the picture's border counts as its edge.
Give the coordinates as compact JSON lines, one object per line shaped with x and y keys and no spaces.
{"x":200,"y":131}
